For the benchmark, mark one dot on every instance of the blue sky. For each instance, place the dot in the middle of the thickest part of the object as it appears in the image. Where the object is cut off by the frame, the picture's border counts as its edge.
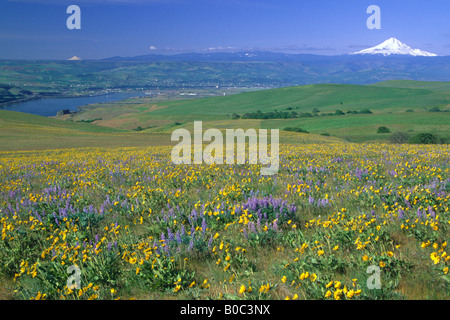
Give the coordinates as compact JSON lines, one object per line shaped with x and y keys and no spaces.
{"x":36,"y":29}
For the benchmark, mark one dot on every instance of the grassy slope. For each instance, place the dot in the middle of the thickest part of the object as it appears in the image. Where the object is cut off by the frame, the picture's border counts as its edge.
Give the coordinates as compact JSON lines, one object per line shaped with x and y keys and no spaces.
{"x":387,"y":101}
{"x":21,"y":131}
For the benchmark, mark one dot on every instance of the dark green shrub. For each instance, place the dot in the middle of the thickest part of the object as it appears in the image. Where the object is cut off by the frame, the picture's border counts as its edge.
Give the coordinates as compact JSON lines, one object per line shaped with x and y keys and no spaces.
{"x":383,"y":129}
{"x":399,"y":137}
{"x":424,"y":138}
{"x":294,"y":129}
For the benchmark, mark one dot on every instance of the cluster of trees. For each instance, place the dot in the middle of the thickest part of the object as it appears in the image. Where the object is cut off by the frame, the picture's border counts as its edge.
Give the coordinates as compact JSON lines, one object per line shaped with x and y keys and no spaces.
{"x":292,"y":114}
{"x":296,"y":129}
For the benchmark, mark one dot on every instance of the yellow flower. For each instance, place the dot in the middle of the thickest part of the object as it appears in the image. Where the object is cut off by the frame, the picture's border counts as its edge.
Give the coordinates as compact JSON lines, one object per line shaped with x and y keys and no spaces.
{"x":328,"y":294}
{"x":350,"y":294}
{"x":390,"y":253}
{"x":445,"y":270}
{"x":382,"y":264}
{"x":284,"y":279}
{"x":365,"y":257}
{"x":113,"y":291}
{"x":329,"y":284}
{"x":337,"y":294}
{"x":242,"y":289}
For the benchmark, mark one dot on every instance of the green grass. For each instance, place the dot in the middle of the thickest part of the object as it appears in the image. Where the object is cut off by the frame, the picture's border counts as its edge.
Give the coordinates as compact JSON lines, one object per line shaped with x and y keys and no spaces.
{"x":388,"y":101}
{"x":21,"y":131}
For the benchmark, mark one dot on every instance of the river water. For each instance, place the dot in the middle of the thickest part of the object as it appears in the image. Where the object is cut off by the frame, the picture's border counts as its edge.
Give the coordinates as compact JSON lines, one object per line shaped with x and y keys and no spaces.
{"x":50,"y":107}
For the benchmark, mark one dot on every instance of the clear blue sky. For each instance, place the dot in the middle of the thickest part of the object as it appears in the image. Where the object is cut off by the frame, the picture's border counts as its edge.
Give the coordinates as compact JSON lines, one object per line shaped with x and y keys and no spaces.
{"x":36,"y":29}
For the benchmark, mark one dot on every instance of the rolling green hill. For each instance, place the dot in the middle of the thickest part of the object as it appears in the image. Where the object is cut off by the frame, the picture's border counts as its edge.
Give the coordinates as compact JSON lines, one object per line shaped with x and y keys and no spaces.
{"x":21,"y":131}
{"x":400,"y":105}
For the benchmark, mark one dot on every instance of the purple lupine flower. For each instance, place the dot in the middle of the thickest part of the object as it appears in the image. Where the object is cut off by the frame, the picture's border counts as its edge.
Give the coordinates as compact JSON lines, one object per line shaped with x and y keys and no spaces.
{"x":210,"y":241}
{"x":244,"y":232}
{"x":204,"y":226}
{"x":419,"y":213}
{"x":170,"y":235}
{"x":191,"y":245}
{"x":401,"y":214}
{"x":275,"y":225}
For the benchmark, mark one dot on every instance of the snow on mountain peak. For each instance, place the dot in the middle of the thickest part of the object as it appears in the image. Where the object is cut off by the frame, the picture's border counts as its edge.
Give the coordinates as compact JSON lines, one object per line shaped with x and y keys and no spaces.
{"x":395,"y":46}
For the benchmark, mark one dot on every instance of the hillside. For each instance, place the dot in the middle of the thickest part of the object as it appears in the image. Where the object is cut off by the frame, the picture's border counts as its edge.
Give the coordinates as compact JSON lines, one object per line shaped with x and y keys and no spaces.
{"x":21,"y":131}
{"x":402,"y":105}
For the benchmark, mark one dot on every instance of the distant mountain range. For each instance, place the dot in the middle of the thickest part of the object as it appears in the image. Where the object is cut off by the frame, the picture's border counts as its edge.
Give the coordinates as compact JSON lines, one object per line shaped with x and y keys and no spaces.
{"x":394,"y":46}
{"x":391,"y":60}
{"x":391,"y":47}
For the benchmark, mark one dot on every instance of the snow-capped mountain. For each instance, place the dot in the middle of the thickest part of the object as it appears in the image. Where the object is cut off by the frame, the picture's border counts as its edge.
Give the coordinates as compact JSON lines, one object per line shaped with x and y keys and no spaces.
{"x":395,"y":47}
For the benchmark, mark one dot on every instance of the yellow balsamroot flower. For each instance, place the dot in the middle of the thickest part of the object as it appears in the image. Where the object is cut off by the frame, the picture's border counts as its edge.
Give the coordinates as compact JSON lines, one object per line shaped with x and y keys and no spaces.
{"x":133,"y":260}
{"x":337,"y":294}
{"x":177,"y":288}
{"x":435,"y":257}
{"x":350,"y":294}
{"x":242,"y":289}
{"x":329,"y":284}
{"x":313,"y":277}
{"x":445,"y":270}
{"x":264,"y":288}
{"x":382,"y":264}
{"x":328,"y":294}
{"x":365,"y":257}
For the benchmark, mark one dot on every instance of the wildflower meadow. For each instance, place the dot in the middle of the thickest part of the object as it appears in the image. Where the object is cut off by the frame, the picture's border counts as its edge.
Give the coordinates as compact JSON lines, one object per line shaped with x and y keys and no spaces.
{"x":137,"y":226}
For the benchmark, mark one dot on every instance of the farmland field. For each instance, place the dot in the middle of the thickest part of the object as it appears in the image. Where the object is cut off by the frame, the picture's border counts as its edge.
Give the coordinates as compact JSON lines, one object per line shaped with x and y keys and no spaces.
{"x":140,"y":227}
